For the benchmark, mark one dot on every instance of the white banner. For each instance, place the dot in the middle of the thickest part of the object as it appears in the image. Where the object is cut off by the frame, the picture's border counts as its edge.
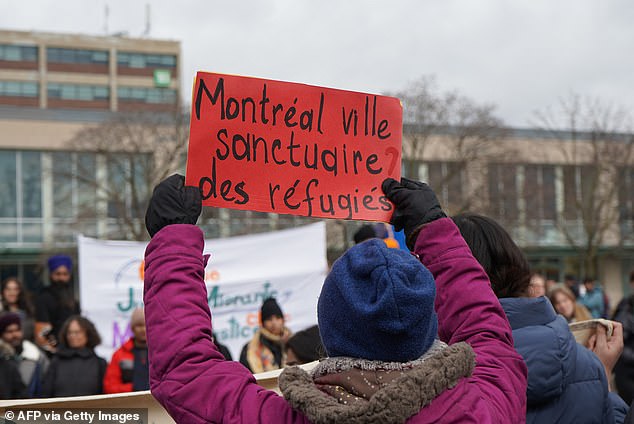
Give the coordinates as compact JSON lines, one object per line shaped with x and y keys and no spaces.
{"x":289,"y":265}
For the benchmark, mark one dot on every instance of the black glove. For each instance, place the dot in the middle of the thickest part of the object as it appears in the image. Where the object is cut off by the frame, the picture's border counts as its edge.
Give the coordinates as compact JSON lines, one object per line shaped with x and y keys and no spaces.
{"x":416,"y":205}
{"x":172,"y":203}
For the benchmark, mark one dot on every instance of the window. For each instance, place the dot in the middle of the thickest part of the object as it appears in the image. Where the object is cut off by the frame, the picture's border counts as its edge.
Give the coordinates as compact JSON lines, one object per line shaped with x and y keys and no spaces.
{"x":78,"y":92}
{"x":18,"y":89}
{"x":142,"y":60}
{"x":147,"y":95}
{"x":502,"y":179}
{"x":59,"y":55}
{"x":74,"y":184}
{"x":626,"y":194}
{"x":539,"y":192}
{"x":17,"y":53}
{"x":445,"y":178}
{"x":580,"y":185}
{"x":31,"y":185}
{"x":8,"y":197}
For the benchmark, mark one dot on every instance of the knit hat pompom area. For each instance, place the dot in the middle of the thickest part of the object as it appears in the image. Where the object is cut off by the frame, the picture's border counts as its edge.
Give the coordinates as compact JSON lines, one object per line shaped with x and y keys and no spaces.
{"x":377,"y":303}
{"x":270,"y":308}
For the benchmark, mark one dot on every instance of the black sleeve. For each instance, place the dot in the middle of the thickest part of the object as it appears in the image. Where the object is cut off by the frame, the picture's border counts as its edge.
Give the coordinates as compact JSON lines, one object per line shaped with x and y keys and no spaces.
{"x":102,"y":372}
{"x":225,"y":352}
{"x":18,"y":388}
{"x":49,"y":379}
{"x":42,"y":308}
{"x":243,"y":357}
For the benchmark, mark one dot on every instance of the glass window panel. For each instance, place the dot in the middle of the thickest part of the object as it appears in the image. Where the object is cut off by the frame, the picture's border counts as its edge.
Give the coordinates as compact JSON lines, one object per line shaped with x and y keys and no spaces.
{"x":68,"y":92}
{"x":570,"y":192}
{"x":12,"y":88}
{"x":62,"y":184}
{"x":32,"y":233}
{"x":8,"y":233}
{"x":8,"y":193}
{"x":67,"y":55}
{"x":123,"y":58}
{"x":86,"y":183}
{"x":29,"y":89}
{"x":84,"y":92}
{"x":101,"y":93}
{"x":137,"y":61}
{"x":100,"y":57}
{"x":550,"y":200}
{"x":29,"y":54}
{"x":168,"y":60}
{"x":12,"y":53}
{"x":532,"y":192}
{"x":31,"y":185}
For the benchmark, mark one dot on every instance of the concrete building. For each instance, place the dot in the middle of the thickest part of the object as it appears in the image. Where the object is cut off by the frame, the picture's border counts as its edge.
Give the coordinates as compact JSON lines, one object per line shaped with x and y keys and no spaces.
{"x":51,"y":87}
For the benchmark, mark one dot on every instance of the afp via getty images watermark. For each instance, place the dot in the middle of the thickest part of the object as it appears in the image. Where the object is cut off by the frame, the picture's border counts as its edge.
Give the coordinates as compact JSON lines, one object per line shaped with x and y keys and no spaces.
{"x":75,"y":416}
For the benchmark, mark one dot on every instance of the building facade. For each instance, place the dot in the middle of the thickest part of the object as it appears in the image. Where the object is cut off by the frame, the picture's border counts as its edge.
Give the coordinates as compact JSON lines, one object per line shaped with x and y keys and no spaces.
{"x":51,"y":87}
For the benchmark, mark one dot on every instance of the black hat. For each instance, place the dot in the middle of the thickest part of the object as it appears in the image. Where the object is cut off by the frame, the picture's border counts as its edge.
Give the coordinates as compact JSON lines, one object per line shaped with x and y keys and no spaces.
{"x":306,"y":344}
{"x":270,"y":308}
{"x":364,"y":233}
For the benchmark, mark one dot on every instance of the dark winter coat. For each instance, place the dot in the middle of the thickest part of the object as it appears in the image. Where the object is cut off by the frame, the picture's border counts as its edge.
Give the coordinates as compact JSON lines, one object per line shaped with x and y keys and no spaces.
{"x":74,"y":372}
{"x":566,"y":381}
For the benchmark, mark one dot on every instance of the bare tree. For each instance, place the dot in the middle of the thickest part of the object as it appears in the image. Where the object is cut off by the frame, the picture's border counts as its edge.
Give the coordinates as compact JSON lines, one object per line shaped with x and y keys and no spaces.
{"x":596,"y":147}
{"x":134,"y":151}
{"x":456,"y":129}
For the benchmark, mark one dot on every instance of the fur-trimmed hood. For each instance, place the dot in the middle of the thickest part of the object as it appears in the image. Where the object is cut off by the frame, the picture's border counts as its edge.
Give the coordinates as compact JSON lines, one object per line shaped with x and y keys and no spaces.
{"x":358,"y":391}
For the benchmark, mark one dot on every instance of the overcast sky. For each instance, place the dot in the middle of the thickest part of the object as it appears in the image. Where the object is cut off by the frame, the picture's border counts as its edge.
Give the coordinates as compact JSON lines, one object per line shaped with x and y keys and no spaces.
{"x":521,"y":55}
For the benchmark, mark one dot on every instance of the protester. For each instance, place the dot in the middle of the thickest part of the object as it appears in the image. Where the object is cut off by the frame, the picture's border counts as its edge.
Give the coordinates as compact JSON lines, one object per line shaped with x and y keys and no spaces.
{"x":565,"y":303}
{"x":304,"y":346}
{"x":265,"y":351}
{"x":375,"y":313}
{"x":16,"y":299}
{"x":128,"y":368}
{"x":30,"y":361}
{"x":624,"y":369}
{"x":549,"y":285}
{"x":11,"y":385}
{"x":75,"y":369}
{"x":537,"y":285}
{"x":593,"y":298}
{"x":56,"y":303}
{"x":566,"y":382}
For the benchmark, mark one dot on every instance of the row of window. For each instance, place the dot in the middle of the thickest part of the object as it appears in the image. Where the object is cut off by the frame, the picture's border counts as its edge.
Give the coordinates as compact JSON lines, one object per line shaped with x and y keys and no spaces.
{"x":19,"y":53}
{"x":88,"y":92}
{"x":538,"y":192}
{"x":13,"y":53}
{"x":19,"y":89}
{"x":58,"y":55}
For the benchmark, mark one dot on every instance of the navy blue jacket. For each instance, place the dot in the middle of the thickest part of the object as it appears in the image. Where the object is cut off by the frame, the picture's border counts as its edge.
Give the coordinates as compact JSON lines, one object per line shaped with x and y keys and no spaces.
{"x":566,"y":381}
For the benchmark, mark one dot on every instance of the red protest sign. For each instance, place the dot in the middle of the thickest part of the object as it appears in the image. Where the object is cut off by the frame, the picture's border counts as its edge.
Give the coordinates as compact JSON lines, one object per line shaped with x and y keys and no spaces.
{"x":288,"y":148}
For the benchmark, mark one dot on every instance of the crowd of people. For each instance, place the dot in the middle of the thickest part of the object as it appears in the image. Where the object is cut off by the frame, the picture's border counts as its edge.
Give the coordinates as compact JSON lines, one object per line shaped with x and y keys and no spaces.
{"x":458,"y":329}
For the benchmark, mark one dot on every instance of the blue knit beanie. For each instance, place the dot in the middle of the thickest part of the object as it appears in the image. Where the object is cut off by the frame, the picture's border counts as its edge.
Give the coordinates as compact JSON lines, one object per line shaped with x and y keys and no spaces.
{"x":56,"y":261}
{"x":377,"y":303}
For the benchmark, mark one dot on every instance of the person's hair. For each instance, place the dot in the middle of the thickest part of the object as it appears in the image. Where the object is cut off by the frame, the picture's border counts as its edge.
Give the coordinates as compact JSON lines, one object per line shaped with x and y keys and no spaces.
{"x":92,"y":335}
{"x":580,"y":313}
{"x":588,"y":280}
{"x":493,"y":248}
{"x":632,"y":276}
{"x":24,"y":298}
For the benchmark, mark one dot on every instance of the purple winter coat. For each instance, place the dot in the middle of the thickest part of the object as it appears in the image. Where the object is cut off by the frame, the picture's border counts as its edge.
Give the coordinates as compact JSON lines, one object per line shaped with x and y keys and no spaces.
{"x":191,"y":379}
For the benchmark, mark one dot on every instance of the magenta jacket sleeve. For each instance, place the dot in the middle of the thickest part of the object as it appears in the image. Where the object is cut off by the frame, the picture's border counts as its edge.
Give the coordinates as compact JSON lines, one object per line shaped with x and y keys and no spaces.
{"x":469,"y":311}
{"x":188,"y":375}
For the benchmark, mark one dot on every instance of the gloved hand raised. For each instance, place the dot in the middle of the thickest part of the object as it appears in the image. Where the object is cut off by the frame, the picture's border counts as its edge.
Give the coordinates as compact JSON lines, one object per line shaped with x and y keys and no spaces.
{"x":416,"y":205}
{"x":172,"y":203}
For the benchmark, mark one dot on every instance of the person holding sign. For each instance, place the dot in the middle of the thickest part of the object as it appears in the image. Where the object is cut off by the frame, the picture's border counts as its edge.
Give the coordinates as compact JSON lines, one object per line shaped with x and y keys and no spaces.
{"x":409,"y":338}
{"x":566,"y":382}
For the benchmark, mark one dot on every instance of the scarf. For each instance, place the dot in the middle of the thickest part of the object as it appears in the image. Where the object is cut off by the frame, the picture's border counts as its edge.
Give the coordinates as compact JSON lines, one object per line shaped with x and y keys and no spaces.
{"x":260,"y":356}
